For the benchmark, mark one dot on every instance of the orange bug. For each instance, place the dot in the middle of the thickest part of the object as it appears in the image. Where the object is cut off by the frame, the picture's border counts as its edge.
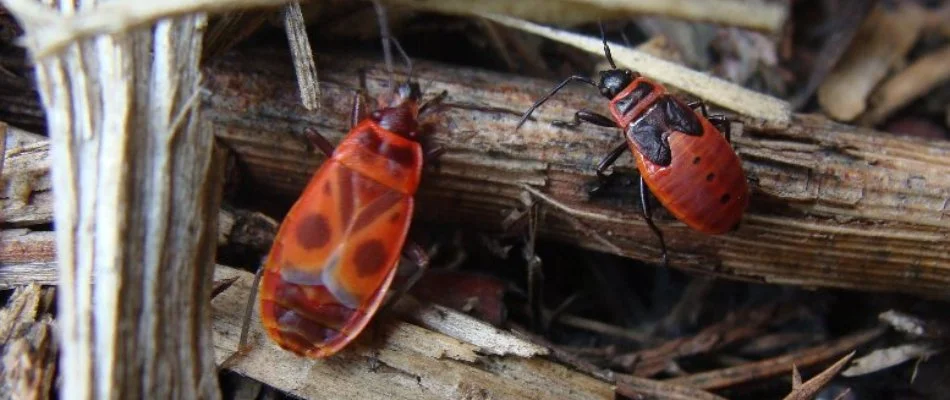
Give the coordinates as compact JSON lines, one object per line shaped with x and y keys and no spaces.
{"x":682,"y":155}
{"x":335,"y":254}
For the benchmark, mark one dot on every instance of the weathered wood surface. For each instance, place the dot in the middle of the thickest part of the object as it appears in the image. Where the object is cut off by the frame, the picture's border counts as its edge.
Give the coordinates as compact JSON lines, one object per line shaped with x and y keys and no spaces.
{"x":28,"y":344}
{"x":137,"y":191}
{"x":412,"y":351}
{"x":832,"y":205}
{"x":430,"y":352}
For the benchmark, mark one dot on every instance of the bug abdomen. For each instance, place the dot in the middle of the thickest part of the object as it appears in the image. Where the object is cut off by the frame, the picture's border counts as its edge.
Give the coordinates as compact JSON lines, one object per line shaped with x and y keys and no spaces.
{"x":308,"y":319}
{"x":332,"y":261}
{"x":704,"y":185}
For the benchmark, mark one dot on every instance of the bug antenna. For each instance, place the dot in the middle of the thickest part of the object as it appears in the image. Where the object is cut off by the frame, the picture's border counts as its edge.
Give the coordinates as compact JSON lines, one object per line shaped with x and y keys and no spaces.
{"x":404,"y":57}
{"x":385,"y":36}
{"x":603,"y":37}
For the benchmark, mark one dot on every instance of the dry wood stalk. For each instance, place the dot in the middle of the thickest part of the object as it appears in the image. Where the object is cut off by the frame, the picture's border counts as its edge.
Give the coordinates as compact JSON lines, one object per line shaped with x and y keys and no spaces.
{"x":726,"y":377}
{"x":137,"y":191}
{"x":754,"y":15}
{"x":809,"y":390}
{"x":26,"y":200}
{"x":832,"y":205}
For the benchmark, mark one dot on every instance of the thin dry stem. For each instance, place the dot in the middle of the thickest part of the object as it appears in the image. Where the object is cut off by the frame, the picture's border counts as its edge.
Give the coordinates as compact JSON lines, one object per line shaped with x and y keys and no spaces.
{"x":49,"y":32}
{"x":769,"y":17}
{"x":304,"y":64}
{"x":768,"y":110}
{"x":726,"y":377}
{"x":808,"y":390}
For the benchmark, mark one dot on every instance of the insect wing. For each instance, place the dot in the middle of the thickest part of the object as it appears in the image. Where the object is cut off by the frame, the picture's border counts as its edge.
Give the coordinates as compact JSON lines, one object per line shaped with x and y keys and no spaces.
{"x":332,"y":261}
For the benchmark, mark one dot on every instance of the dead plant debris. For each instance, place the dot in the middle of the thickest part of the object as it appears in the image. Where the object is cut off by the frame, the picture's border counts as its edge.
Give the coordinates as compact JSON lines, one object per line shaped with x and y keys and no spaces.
{"x":504,"y":301}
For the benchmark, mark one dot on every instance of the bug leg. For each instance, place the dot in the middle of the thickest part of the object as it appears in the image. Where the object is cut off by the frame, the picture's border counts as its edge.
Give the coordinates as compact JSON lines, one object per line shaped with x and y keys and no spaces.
{"x":415,"y":253}
{"x":585,"y":116}
{"x":647,"y":215}
{"x":318,"y":141}
{"x":702,"y":107}
{"x":535,"y":293}
{"x":432,"y":156}
{"x":719,"y":121}
{"x":535,"y":271}
{"x":604,"y":180}
{"x":433,"y":102}
{"x":723,"y":124}
{"x":552,"y":93}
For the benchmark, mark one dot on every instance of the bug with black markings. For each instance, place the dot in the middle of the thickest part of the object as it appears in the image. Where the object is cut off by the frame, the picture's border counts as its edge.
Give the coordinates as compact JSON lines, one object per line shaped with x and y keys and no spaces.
{"x":683,"y":153}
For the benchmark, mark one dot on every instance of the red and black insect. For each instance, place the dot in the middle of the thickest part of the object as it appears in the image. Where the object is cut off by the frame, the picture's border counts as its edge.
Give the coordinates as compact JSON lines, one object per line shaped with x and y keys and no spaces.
{"x":683,"y":157}
{"x":335,"y":254}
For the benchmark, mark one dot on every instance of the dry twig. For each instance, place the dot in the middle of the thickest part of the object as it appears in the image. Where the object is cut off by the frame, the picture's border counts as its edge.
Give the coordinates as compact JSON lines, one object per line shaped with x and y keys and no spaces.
{"x":769,"y":110}
{"x":48,"y":32}
{"x":736,"y":326}
{"x":888,"y":357}
{"x":307,"y":81}
{"x":810,"y":389}
{"x":754,"y":15}
{"x":722,"y":378}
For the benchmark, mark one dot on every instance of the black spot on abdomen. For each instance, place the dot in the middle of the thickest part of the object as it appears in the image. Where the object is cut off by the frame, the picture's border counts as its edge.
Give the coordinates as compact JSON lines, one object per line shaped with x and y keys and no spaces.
{"x":370,"y":257}
{"x":313,"y":231}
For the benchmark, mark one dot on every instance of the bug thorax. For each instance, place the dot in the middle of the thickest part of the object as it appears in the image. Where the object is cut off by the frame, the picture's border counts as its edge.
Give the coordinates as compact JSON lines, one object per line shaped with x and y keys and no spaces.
{"x":614,"y":81}
{"x":401,"y":114}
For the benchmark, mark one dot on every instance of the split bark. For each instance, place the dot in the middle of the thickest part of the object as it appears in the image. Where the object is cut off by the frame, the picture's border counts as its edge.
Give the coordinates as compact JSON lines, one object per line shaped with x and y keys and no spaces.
{"x":29,"y":348}
{"x":137,"y":191}
{"x":832,"y":205}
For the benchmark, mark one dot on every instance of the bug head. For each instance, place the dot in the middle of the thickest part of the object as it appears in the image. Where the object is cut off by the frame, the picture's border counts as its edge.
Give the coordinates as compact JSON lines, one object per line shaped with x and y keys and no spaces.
{"x":407,"y":91}
{"x":613,"y":81}
{"x":401,"y":112}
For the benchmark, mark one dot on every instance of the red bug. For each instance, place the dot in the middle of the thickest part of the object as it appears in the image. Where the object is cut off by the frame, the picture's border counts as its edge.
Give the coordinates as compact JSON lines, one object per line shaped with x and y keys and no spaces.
{"x":684,"y":159}
{"x":335,"y":254}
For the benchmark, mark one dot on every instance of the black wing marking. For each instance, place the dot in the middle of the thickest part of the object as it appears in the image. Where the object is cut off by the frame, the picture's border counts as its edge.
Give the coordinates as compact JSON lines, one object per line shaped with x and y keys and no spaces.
{"x":681,"y":118}
{"x":650,"y":134}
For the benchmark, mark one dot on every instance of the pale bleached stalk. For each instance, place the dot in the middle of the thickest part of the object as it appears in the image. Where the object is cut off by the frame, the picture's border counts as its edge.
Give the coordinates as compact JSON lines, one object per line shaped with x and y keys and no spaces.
{"x":766,"y":109}
{"x":136,"y":197}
